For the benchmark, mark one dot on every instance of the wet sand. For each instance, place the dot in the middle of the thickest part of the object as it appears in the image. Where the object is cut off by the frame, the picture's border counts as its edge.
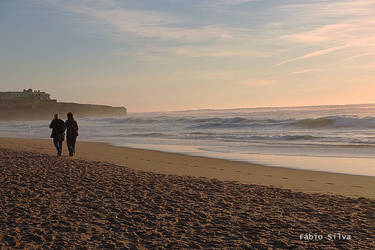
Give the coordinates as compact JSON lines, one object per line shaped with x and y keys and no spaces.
{"x":61,"y":202}
{"x":178,"y":164}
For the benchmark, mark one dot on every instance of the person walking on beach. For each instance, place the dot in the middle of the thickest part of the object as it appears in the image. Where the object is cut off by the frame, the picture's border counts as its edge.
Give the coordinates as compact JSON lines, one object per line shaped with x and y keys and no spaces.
{"x":58,"y":133}
{"x":71,"y":133}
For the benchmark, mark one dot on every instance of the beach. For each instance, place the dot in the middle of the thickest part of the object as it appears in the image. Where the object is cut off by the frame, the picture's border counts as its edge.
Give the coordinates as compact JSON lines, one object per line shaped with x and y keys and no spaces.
{"x":110,"y":197}
{"x":180,"y":164}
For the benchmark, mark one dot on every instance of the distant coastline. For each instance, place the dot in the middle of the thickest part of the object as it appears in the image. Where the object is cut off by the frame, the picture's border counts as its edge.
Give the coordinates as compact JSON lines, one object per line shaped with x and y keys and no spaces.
{"x":37,"y":105}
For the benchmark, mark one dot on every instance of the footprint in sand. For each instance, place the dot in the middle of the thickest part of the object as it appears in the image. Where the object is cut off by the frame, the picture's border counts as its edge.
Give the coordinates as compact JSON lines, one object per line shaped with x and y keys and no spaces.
{"x":196,"y":166}
{"x":221,"y":169}
{"x":249,"y":173}
{"x":356,"y":186}
{"x":268,"y":175}
{"x":311,"y":180}
{"x":238,"y":171}
{"x":285,"y":178}
{"x":329,"y":183}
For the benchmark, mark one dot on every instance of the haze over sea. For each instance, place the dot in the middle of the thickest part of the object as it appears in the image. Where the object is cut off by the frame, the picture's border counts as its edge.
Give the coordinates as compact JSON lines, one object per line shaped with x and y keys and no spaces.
{"x":337,"y":139}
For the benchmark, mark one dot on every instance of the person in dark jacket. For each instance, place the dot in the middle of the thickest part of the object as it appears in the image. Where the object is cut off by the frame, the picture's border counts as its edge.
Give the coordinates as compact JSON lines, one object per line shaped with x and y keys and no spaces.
{"x":58,"y":133}
{"x":71,"y":133}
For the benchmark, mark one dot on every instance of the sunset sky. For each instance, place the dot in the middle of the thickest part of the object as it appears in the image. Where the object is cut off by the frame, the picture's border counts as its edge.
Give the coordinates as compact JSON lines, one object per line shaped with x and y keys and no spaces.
{"x":154,"y":55}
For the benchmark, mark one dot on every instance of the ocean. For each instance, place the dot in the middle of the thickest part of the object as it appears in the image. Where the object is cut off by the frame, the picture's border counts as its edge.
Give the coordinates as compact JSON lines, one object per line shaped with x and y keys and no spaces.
{"x":338,"y":139}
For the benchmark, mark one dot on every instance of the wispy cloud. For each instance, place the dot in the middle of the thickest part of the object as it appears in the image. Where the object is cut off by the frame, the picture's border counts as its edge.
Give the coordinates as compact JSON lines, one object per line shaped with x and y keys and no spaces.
{"x":359,"y":56}
{"x":316,"y":53}
{"x":351,"y":43}
{"x":345,"y":8}
{"x":231,"y":2}
{"x":338,"y":25}
{"x":304,"y":71}
{"x":205,"y":75}
{"x":326,"y":33}
{"x":157,"y":54}
{"x":218,"y":51}
{"x":258,"y":83}
{"x":149,"y":24}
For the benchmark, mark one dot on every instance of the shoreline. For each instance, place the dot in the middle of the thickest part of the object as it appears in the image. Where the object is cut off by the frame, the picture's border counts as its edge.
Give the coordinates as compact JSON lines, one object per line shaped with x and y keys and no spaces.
{"x":218,"y":157}
{"x":284,"y":161}
{"x":197,"y":166}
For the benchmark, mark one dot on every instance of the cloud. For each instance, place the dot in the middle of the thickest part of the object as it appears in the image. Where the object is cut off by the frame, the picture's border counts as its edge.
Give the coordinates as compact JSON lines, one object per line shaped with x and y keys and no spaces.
{"x":232,"y":2}
{"x":326,"y":33}
{"x":338,"y":25}
{"x":346,"y":8}
{"x":304,"y":71}
{"x":258,"y":83}
{"x":329,"y":50}
{"x":149,"y":24}
{"x":359,"y":56}
{"x":204,"y":75}
{"x":335,"y":37}
{"x":349,"y":8}
{"x":220,"y":5}
{"x":218,"y":51}
{"x":333,"y":33}
{"x":316,"y":53}
{"x":159,"y":54}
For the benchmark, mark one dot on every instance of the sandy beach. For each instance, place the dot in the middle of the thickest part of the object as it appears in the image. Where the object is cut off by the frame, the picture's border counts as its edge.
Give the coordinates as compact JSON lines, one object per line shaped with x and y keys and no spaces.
{"x":110,"y":197}
{"x":179,"y":164}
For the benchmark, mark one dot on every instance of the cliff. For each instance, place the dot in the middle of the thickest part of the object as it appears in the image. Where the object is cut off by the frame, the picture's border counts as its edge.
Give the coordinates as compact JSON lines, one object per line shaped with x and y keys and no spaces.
{"x":45,"y":109}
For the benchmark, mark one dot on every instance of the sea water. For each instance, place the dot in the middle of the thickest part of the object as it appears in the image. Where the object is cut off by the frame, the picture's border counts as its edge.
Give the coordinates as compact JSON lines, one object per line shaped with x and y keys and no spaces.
{"x":337,"y":139}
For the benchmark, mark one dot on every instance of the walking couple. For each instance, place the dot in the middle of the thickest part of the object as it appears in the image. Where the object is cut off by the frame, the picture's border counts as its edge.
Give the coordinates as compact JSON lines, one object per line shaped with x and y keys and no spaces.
{"x":58,"y":127}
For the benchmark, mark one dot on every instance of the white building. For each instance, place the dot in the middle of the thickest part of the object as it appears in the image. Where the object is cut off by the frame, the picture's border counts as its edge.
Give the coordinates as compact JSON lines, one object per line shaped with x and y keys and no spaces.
{"x":26,"y":94}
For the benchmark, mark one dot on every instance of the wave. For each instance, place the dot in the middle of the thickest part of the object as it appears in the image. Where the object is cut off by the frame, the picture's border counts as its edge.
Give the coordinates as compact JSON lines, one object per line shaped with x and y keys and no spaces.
{"x":337,"y":122}
{"x":194,"y":123}
{"x":148,"y":135}
{"x":315,"y":123}
{"x":235,"y":122}
{"x":112,"y":120}
{"x":281,"y":138}
{"x":249,"y":138}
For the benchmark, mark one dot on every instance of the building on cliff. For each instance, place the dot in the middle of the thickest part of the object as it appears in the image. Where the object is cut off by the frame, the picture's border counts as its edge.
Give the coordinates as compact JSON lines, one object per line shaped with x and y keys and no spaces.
{"x":38,"y":105}
{"x":26,"y":94}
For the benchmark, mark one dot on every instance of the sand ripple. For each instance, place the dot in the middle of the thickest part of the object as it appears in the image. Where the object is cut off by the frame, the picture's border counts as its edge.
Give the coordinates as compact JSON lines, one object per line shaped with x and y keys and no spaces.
{"x":59,"y":202}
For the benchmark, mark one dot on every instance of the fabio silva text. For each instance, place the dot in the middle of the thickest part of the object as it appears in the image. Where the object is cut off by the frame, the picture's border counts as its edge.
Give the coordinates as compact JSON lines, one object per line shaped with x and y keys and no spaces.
{"x":318,"y":237}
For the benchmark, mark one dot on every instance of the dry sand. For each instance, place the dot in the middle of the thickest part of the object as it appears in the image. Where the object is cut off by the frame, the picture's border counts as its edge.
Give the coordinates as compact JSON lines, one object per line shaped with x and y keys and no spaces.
{"x":60,"y":202}
{"x":178,"y":164}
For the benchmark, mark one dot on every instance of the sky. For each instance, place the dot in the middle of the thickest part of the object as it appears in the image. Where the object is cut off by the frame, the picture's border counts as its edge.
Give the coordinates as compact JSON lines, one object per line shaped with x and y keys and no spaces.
{"x":162,"y":55}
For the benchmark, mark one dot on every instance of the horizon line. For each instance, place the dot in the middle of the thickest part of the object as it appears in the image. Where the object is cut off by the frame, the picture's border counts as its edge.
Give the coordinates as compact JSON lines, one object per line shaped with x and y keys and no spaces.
{"x":259,"y":107}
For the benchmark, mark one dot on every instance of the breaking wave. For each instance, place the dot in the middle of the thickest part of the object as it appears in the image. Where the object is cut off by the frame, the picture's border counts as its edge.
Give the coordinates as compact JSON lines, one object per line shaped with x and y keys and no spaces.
{"x":192,"y":123}
{"x":337,"y":122}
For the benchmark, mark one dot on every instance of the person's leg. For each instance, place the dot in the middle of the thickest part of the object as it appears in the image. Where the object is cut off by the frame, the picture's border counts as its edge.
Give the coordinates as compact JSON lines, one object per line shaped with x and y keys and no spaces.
{"x":60,"y":147}
{"x":74,"y":139}
{"x":69,"y":144}
{"x":56,"y":143}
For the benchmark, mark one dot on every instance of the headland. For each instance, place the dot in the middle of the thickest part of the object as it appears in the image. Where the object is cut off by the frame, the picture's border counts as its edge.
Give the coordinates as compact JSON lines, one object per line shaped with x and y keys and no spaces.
{"x":38,"y":105}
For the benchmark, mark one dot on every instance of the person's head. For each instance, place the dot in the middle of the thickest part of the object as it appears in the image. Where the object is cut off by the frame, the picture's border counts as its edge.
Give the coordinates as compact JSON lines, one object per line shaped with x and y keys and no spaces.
{"x":70,"y":115}
{"x":56,"y":116}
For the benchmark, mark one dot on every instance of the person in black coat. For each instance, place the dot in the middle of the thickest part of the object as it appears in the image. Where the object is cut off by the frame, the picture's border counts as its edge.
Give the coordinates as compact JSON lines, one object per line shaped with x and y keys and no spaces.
{"x":58,"y":133}
{"x":71,"y":133}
